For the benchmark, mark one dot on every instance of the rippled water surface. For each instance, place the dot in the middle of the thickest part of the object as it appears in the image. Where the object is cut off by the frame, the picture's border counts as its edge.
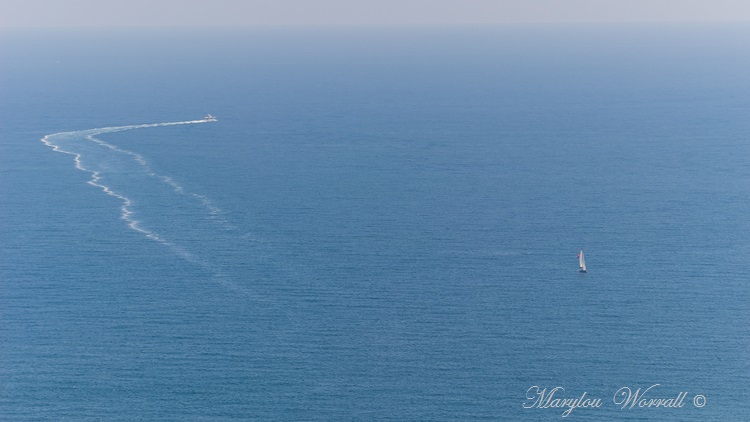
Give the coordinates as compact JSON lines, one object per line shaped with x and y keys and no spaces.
{"x":381,"y":225}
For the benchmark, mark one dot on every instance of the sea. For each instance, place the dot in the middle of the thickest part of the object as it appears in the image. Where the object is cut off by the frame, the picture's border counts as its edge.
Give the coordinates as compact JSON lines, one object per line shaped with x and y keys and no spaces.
{"x":382,"y":223}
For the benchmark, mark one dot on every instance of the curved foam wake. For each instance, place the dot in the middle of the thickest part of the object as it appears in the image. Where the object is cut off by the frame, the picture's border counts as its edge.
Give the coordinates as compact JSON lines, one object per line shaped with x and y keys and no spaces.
{"x":80,"y":144}
{"x":125,"y":208}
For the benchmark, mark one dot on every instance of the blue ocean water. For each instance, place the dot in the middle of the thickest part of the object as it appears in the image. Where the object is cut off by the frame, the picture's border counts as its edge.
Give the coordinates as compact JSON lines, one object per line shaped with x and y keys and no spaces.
{"x":383,"y":224}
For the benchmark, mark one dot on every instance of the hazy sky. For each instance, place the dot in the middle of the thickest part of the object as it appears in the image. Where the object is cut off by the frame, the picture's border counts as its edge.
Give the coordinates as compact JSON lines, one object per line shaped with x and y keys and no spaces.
{"x":67,"y":13}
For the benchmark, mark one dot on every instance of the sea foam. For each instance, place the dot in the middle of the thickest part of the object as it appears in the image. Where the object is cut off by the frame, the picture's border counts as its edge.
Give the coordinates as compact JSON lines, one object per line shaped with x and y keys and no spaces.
{"x":126,"y":207}
{"x":111,"y":163}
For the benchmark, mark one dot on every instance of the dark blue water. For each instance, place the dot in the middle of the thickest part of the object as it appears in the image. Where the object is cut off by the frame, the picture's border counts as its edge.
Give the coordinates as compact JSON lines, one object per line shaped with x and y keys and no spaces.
{"x":382,"y":225}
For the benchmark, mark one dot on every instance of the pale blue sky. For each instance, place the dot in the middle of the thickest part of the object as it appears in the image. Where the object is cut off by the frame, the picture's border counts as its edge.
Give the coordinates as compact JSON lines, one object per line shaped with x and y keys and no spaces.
{"x":72,"y":13}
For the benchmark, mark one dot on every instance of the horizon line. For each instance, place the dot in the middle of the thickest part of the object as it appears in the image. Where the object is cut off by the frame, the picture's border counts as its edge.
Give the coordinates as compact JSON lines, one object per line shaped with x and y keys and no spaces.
{"x":415,"y":25}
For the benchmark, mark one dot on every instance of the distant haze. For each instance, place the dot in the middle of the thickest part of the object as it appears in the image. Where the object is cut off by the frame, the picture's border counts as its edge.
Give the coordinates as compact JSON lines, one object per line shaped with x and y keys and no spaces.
{"x":77,"y":13}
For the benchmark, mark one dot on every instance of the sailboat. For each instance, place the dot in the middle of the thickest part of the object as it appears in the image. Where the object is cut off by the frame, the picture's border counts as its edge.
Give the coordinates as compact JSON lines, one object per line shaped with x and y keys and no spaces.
{"x":581,"y":262}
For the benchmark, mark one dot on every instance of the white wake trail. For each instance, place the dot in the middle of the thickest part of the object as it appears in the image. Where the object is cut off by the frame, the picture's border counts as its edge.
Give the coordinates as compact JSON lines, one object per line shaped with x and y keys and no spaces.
{"x":78,"y":144}
{"x":126,"y":212}
{"x":168,"y":180}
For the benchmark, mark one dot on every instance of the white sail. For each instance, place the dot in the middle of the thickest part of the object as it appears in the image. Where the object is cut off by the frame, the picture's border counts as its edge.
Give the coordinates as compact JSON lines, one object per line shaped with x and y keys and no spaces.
{"x":581,"y":262}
